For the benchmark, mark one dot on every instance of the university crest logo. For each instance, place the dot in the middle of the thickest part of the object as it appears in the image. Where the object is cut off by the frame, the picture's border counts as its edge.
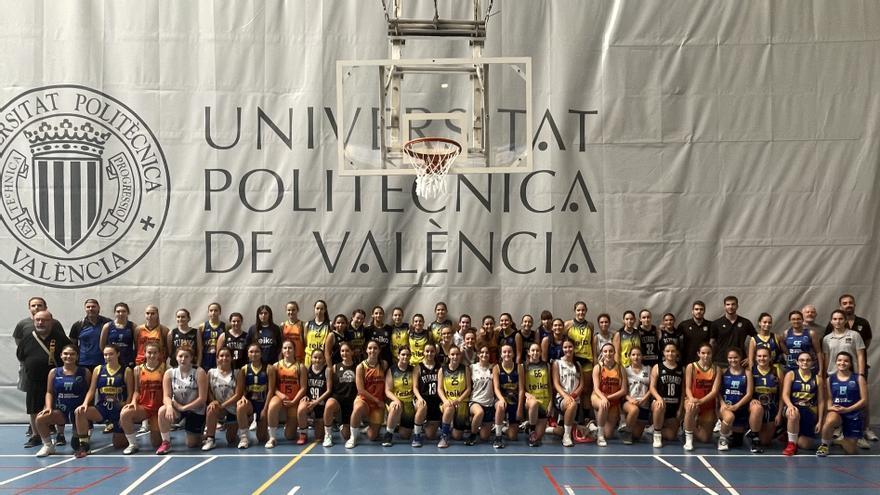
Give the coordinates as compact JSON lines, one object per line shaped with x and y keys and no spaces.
{"x":84,"y":186}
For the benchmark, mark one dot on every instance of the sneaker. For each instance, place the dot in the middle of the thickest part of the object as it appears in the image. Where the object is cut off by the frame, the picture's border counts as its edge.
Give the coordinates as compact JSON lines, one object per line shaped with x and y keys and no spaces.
{"x":209,"y":444}
{"x":387,"y":439}
{"x":60,"y":441}
{"x":303,"y":438}
{"x":870,"y":435}
{"x":131,"y":449}
{"x":649,"y":429}
{"x":581,"y":437}
{"x":29,"y":432}
{"x":270,"y":444}
{"x":498,"y":443}
{"x":443,"y":443}
{"x":108,"y":428}
{"x":253,"y":426}
{"x":145,"y":427}
{"x":33,"y":442}
{"x":328,"y":441}
{"x":863,"y":444}
{"x":688,"y":445}
{"x":80,"y":453}
{"x":592,"y":427}
{"x":74,"y":442}
{"x":533,"y":439}
{"x":756,"y":447}
{"x":822,"y":451}
{"x":164,"y":448}
{"x":470,"y":440}
{"x":601,"y":442}
{"x":627,"y":437}
{"x":566,"y":441}
{"x":350,"y":443}
{"x":717,"y":428}
{"x":551,"y":422}
{"x":46,"y":450}
{"x":243,"y":443}
{"x":417,"y":440}
{"x":790,"y":449}
{"x":658,"y":442}
{"x":723,"y":443}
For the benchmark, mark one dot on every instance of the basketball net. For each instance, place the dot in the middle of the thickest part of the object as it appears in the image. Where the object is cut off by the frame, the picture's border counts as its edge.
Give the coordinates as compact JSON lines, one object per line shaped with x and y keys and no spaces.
{"x":431,"y":157}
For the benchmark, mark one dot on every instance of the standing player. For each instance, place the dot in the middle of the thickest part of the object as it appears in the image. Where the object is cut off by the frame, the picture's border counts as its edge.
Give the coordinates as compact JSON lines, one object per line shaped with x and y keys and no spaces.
{"x":736,"y":393}
{"x":764,"y":338}
{"x":666,"y":386}
{"x":380,"y":333}
{"x":847,"y":399}
{"x":316,"y":330}
{"x":487,"y":336}
{"x":551,"y":345}
{"x":356,"y":335}
{"x":291,"y":377}
{"x":764,"y":411}
{"x":649,"y":339}
{"x":603,"y":334}
{"x":185,"y":390}
{"x":670,"y":334}
{"x":67,"y":386}
{"x":236,"y":340}
{"x":108,"y":393}
{"x":418,"y":339}
{"x":803,"y":392}
{"x":151,"y":331}
{"x":626,"y":338}
{"x":266,"y":334}
{"x":798,"y":339}
{"x":293,"y":330}
{"x":506,"y":332}
{"x":184,"y":336}
{"x":146,"y":400}
{"x":580,"y":331}
{"x":525,"y":338}
{"x":441,"y":319}
{"x":211,"y":330}
{"x":399,"y":332}
{"x":339,"y":334}
{"x":120,"y":332}
{"x":702,"y":382}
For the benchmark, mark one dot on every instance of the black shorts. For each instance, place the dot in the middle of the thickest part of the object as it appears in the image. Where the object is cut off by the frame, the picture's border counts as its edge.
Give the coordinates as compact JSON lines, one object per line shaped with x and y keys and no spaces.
{"x":346,"y":407}
{"x":35,"y":398}
{"x":434,"y":412}
{"x":195,"y":423}
{"x":645,"y":414}
{"x":671,"y":411}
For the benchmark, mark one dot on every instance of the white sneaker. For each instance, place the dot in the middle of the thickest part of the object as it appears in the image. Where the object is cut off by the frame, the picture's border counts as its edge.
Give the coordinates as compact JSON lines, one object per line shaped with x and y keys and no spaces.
{"x":270,"y":444}
{"x":209,"y":444}
{"x":350,"y":443}
{"x":253,"y":426}
{"x":243,"y":443}
{"x":145,"y":426}
{"x":717,"y":428}
{"x":870,"y":435}
{"x":601,"y":442}
{"x":863,"y":444}
{"x":649,"y":429}
{"x":723,"y":444}
{"x":46,"y":450}
{"x":658,"y":441}
{"x":688,"y":445}
{"x":328,"y":441}
{"x":566,"y":441}
{"x":592,"y":427}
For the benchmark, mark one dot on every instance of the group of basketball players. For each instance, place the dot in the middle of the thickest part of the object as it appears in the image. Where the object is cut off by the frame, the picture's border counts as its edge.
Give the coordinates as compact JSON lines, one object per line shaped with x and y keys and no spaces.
{"x":448,"y":381}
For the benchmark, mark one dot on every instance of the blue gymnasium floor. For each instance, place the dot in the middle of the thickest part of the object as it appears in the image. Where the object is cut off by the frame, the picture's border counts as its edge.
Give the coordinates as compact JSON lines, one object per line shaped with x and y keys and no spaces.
{"x":372,"y":469}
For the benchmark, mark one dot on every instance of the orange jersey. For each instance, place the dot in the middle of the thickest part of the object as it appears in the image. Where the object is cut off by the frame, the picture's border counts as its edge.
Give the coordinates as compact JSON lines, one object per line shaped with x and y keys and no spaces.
{"x":288,"y":378}
{"x":702,"y":381}
{"x":144,"y":337}
{"x":150,"y":388}
{"x":609,"y":380}
{"x":374,"y":380}
{"x":294,"y":332}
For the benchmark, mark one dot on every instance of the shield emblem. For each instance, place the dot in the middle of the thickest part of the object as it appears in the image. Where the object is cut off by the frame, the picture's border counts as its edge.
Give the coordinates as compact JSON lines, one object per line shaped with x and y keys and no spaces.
{"x":67,"y":197}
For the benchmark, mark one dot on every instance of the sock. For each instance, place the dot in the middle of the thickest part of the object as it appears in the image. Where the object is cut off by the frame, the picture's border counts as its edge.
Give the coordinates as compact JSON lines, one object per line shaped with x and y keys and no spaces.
{"x":166,"y":436}
{"x":689,"y":436}
{"x":445,"y":429}
{"x":601,"y":434}
{"x":46,"y":440}
{"x":272,"y":431}
{"x":657,"y":435}
{"x":792,"y":437}
{"x":242,"y":433}
{"x":417,"y":429}
{"x":531,"y":427}
{"x":328,"y":431}
{"x":826,"y":441}
{"x":132,"y":439}
{"x":566,"y":430}
{"x":84,"y":442}
{"x":499,"y":430}
{"x":354,"y":433}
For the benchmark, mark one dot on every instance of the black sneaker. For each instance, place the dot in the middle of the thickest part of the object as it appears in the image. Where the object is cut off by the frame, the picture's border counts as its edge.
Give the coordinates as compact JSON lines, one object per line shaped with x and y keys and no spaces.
{"x":74,"y":442}
{"x":470,"y":440}
{"x":757,"y":448}
{"x":387,"y":440}
{"x":29,"y":433}
{"x":33,"y":442}
{"x":498,"y":443}
{"x":60,"y":441}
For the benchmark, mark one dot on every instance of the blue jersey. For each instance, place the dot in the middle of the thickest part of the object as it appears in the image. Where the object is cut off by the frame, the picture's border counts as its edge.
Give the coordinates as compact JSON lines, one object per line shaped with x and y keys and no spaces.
{"x":508,"y":382}
{"x":508,"y":340}
{"x":844,"y":393}
{"x":804,"y":390}
{"x":770,"y":344}
{"x":112,"y":393}
{"x":123,"y":338}
{"x":210,"y":334}
{"x":766,"y":386}
{"x":69,"y":391}
{"x":89,"y":340}
{"x":256,"y":383}
{"x":796,"y":344}
{"x":733,"y":387}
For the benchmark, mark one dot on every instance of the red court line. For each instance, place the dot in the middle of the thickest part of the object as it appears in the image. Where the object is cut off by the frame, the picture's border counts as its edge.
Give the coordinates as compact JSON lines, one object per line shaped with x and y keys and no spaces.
{"x":553,"y":481}
{"x":601,"y":481}
{"x":118,"y":471}
{"x":42,"y":484}
{"x":846,"y":472}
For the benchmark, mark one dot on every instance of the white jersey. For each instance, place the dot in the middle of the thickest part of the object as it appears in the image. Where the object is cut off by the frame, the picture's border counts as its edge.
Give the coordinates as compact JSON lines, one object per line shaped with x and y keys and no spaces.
{"x":569,"y":375}
{"x":482,"y":390}
{"x":185,"y":388}
{"x":601,"y":341}
{"x":639,"y":381}
{"x":222,"y":386}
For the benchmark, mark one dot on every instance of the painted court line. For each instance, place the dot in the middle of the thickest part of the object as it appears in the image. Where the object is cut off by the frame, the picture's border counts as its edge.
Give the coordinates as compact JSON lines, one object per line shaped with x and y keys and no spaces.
{"x":568,"y":489}
{"x":35,"y":471}
{"x":146,"y":475}
{"x":718,"y":476}
{"x":181,"y":475}
{"x":293,"y":490}
{"x":686,"y":476}
{"x":444,"y":454}
{"x":283,"y":470}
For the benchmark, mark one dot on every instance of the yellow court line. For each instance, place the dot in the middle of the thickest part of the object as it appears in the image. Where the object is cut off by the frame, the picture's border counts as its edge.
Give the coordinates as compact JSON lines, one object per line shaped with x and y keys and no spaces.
{"x":283,"y":470}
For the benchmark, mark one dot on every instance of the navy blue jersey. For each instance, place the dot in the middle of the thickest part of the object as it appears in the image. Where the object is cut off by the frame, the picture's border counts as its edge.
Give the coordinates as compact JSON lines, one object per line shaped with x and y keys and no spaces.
{"x":69,"y":390}
{"x":844,"y":393}
{"x":509,"y":383}
{"x":796,"y":344}
{"x":123,"y":338}
{"x":210,"y":335}
{"x":733,"y":387}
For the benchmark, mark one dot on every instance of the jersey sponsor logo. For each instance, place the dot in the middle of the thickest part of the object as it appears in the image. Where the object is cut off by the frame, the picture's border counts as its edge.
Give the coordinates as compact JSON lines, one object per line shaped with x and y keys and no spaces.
{"x":80,"y":172}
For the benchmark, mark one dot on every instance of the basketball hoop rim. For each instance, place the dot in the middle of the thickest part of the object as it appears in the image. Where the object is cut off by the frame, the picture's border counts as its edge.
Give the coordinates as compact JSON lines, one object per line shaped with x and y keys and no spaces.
{"x":407,"y":147}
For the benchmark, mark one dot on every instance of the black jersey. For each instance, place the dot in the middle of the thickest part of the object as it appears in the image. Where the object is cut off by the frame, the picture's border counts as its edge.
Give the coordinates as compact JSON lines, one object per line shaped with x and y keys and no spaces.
{"x":238,"y":346}
{"x":650,"y":345}
{"x":382,"y":336}
{"x":317,"y":383}
{"x":180,"y":339}
{"x":527,"y":341}
{"x":428,"y":380}
{"x":339,"y":338}
{"x":669,"y":383}
{"x":344,"y":387}
{"x":676,"y":338}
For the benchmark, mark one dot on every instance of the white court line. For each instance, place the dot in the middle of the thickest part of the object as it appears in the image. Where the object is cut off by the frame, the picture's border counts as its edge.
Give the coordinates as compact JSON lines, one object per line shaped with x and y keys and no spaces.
{"x":293,"y":490}
{"x":146,"y":475}
{"x":440,"y":455}
{"x":686,"y":476}
{"x":35,"y":471}
{"x":181,"y":475}
{"x":718,"y":476}
{"x":109,"y":445}
{"x":568,"y":489}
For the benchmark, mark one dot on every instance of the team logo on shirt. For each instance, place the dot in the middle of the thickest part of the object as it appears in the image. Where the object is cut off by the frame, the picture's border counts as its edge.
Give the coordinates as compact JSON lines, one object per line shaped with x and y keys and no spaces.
{"x":85,"y":186}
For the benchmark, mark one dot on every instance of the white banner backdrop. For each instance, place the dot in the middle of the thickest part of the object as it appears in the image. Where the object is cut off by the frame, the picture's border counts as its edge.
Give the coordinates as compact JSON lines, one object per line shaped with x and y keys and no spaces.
{"x":683,"y":150}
